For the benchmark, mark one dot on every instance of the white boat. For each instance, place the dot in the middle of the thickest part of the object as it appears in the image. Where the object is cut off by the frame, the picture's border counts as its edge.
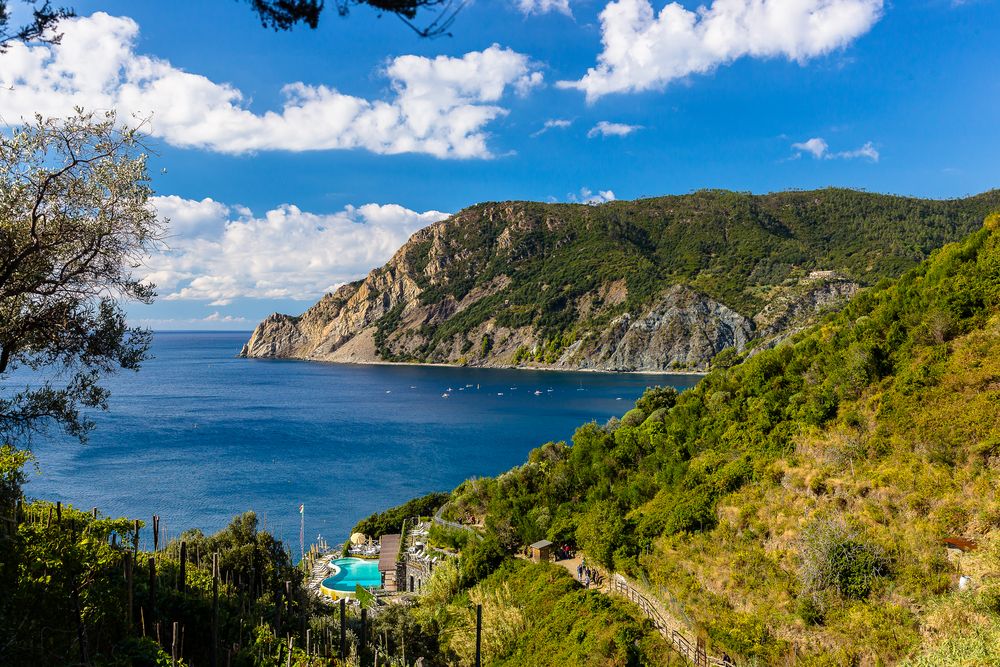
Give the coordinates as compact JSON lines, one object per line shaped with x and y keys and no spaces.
{"x":538,"y":392}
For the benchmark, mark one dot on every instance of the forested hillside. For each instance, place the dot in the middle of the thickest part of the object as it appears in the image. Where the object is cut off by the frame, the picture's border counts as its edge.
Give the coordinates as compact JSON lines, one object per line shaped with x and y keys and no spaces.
{"x":796,"y":505}
{"x":653,"y":284}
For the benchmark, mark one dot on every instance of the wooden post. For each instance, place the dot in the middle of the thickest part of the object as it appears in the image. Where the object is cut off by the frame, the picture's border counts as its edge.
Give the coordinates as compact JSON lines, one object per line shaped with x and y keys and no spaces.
{"x":291,"y":643}
{"x":308,"y":642}
{"x":135,"y":540}
{"x":362,"y":637}
{"x":129,"y":583}
{"x":479,"y":635}
{"x":213,"y":660}
{"x":182,"y":581}
{"x":343,"y":629}
{"x":156,"y":533}
{"x":152,"y":589}
{"x":174,"y":645}
{"x":58,"y":513}
{"x":95,"y":514}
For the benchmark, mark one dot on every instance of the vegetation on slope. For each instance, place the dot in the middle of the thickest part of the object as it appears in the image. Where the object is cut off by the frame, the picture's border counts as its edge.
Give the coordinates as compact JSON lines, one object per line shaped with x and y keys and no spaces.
{"x":797,"y":501}
{"x":64,"y":591}
{"x":573,"y":268}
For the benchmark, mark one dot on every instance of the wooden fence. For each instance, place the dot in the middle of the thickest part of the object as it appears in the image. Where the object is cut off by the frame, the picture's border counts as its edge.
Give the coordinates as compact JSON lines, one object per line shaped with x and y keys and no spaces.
{"x":695,"y":652}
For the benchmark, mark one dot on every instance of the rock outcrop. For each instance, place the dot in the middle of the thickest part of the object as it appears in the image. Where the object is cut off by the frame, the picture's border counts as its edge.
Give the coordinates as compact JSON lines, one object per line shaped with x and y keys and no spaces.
{"x":656,"y":285}
{"x":684,"y":329}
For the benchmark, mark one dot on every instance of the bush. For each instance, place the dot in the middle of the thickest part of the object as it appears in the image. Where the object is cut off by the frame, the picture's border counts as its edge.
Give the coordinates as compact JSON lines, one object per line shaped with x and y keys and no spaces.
{"x":655,"y":398}
{"x":634,"y":417}
{"x":480,"y":558}
{"x":833,"y":557}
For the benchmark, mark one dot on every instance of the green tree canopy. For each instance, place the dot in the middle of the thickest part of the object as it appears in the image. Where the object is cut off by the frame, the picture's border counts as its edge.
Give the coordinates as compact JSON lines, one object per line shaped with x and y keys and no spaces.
{"x":75,"y":219}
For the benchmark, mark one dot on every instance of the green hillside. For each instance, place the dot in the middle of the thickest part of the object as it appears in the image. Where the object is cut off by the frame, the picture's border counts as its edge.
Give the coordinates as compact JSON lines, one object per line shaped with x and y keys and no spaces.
{"x":795,"y":504}
{"x":733,"y":247}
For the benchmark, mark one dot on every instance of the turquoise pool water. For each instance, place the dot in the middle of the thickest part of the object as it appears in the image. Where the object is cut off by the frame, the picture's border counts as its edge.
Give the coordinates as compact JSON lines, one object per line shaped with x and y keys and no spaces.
{"x":353,"y":571}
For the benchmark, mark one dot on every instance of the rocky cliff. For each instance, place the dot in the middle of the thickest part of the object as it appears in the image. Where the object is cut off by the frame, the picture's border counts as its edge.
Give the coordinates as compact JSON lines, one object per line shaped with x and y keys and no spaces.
{"x":662,"y":284}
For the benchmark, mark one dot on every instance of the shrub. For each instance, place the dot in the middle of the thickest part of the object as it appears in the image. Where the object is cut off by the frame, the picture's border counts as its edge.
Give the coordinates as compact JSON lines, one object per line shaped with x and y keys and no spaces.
{"x":655,"y":398}
{"x":634,"y":417}
{"x":834,"y":557}
{"x":480,"y":558}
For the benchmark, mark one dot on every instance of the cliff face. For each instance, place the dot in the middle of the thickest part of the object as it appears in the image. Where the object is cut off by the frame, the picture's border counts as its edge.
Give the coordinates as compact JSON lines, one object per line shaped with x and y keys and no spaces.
{"x":664,"y":284}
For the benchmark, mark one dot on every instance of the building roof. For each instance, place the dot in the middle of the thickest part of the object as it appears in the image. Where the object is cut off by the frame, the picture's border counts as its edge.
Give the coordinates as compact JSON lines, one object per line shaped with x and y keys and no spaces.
{"x":388,"y":553}
{"x":541,"y":544}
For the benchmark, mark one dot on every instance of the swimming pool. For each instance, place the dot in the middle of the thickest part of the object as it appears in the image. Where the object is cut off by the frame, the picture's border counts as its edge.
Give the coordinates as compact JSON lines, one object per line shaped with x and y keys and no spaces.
{"x":348,"y":573}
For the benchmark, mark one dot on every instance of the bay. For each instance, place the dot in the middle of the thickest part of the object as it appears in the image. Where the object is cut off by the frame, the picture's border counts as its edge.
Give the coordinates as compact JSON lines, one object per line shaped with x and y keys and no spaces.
{"x":199,"y":435}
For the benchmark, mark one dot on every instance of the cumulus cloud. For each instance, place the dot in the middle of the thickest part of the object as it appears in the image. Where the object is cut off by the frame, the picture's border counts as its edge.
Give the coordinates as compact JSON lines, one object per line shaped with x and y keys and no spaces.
{"x":439,"y":106}
{"x":544,"y":6}
{"x":644,"y":50}
{"x":284,"y":253}
{"x":553,"y":124}
{"x":820,"y":150}
{"x":607,"y":129}
{"x":587,"y":196}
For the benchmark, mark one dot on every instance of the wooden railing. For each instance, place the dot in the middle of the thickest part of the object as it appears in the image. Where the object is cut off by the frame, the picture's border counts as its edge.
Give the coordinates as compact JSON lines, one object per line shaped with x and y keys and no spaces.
{"x":695,"y":653}
{"x":441,"y":521}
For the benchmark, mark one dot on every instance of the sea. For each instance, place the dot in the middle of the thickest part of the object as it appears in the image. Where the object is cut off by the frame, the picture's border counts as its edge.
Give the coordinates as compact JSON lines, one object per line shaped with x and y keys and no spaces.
{"x":200,"y":435}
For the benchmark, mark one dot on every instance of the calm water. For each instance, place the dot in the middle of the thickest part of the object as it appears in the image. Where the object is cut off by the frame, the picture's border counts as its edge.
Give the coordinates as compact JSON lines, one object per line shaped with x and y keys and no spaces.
{"x":199,"y":435}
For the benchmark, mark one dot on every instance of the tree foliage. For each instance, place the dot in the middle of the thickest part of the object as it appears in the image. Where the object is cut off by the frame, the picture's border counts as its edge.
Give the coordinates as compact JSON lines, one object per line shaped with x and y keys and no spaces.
{"x":391,"y":520}
{"x":75,"y":219}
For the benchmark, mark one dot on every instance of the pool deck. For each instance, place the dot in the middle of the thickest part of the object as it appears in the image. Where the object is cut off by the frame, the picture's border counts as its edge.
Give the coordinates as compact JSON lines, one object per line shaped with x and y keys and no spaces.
{"x":320,"y":571}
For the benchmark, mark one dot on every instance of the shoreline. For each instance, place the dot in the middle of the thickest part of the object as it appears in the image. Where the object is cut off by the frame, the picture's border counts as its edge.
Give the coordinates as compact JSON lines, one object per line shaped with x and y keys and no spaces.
{"x":501,"y":368}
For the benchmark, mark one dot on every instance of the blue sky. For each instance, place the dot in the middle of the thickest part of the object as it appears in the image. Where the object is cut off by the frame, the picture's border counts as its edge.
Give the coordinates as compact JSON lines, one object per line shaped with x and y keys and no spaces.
{"x":891,"y":97}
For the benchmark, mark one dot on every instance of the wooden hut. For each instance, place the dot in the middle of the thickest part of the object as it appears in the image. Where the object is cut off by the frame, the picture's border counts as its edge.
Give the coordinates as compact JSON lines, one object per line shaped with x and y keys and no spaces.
{"x":541,"y":551}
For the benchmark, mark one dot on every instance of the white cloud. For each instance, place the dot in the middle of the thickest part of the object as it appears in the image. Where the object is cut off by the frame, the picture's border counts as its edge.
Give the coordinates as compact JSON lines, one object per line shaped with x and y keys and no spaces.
{"x":608,"y":129}
{"x":553,"y":124}
{"x":229,"y":319}
{"x":544,"y":6}
{"x":867,"y":151}
{"x":208,"y":322}
{"x":286,"y":253}
{"x":644,"y":50}
{"x":587,"y":196}
{"x":438,"y":105}
{"x":819,"y":149}
{"x":816,"y":146}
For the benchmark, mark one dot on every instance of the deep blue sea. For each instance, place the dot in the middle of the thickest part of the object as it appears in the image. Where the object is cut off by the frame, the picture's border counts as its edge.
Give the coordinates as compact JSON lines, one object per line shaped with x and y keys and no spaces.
{"x":199,"y":435}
